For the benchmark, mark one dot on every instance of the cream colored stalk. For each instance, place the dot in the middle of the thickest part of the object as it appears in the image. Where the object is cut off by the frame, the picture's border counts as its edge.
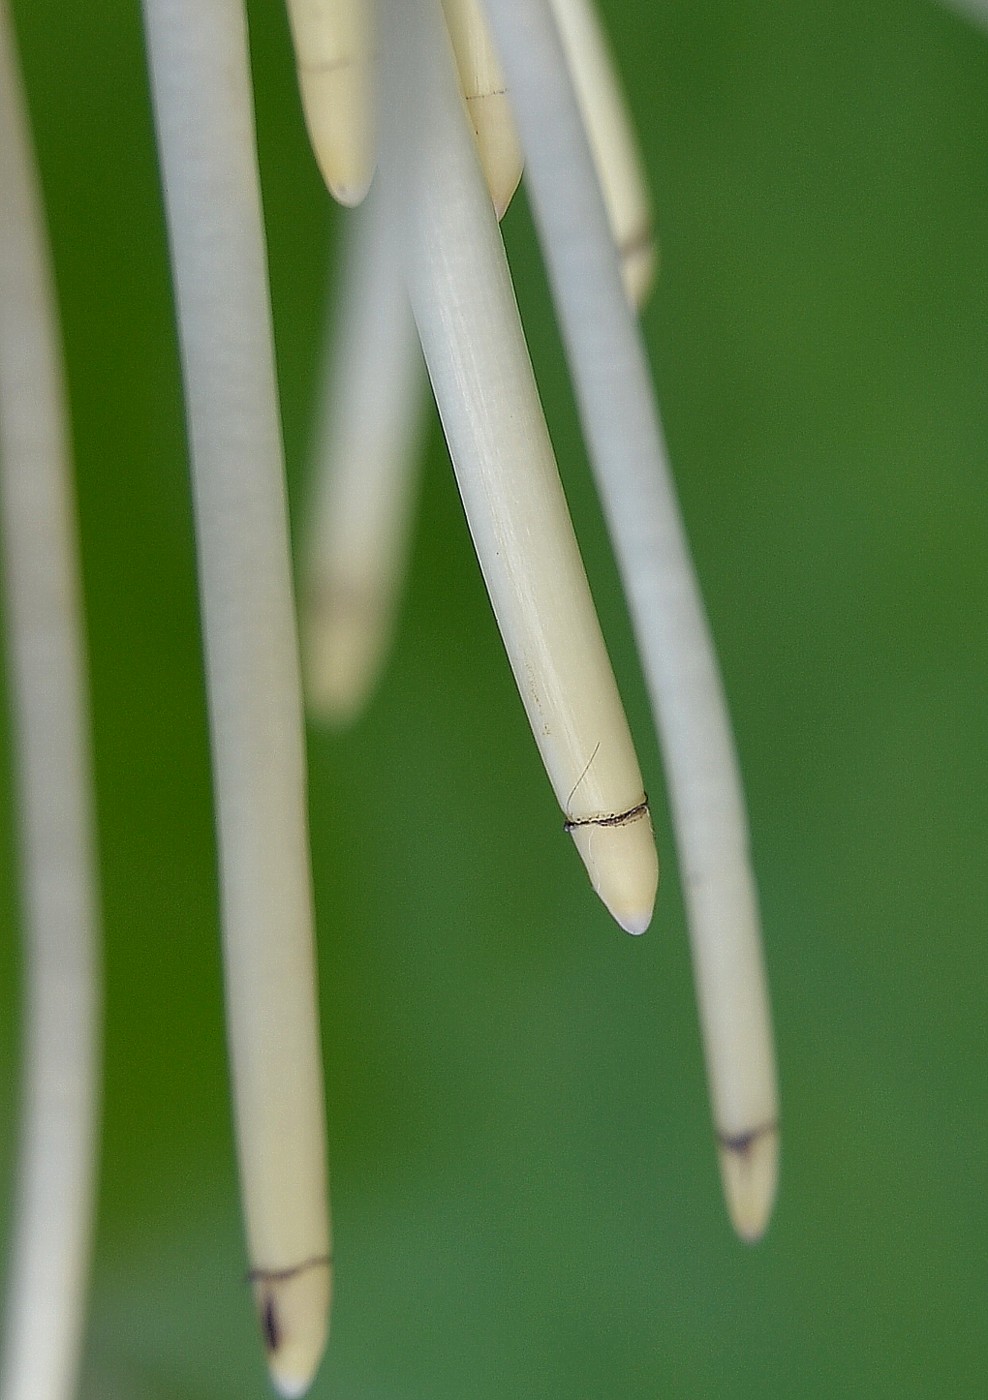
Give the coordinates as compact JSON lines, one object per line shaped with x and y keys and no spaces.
{"x":613,"y":143}
{"x":334,"y":53}
{"x":475,"y":351}
{"x":488,"y":102}
{"x":620,"y":419}
{"x":56,"y":1170}
{"x":366,"y":469}
{"x":205,"y":125}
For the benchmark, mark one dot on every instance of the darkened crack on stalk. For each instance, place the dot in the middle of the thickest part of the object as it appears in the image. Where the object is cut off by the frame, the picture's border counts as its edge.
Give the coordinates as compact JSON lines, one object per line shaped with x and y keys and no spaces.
{"x":616,"y":818}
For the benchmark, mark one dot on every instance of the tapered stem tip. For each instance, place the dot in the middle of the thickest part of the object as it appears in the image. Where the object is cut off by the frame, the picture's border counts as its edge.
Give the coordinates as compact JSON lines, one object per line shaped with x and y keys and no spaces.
{"x":293,"y":1312}
{"x":639,"y":266}
{"x":623,"y":866}
{"x":338,"y":115}
{"x":342,"y":647}
{"x":749,"y":1168}
{"x":500,"y":154}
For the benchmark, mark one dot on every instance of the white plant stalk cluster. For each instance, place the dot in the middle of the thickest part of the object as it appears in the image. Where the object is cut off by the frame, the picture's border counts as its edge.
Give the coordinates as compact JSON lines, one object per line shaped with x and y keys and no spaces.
{"x":431,"y":106}
{"x":561,"y":98}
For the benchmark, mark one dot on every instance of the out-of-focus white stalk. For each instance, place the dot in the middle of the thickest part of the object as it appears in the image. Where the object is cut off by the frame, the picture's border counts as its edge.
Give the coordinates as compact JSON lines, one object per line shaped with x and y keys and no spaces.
{"x":205,"y":125}
{"x":334,"y":52}
{"x":366,"y":469}
{"x":620,"y":419}
{"x":974,"y":10}
{"x":56,"y":1171}
{"x":488,"y":103}
{"x":475,"y":351}
{"x":613,"y":142}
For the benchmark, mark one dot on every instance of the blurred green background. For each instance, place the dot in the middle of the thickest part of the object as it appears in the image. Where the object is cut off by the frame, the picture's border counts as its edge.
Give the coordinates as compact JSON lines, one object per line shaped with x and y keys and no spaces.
{"x":525,"y":1193}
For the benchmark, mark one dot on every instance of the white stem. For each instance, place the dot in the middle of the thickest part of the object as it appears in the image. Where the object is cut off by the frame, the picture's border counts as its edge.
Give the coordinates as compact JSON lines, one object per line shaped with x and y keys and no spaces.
{"x":366,"y":469}
{"x":60,"y":1094}
{"x":488,"y":102}
{"x":205,"y":124}
{"x":613,"y":143}
{"x":334,"y":52}
{"x":620,"y":419}
{"x":475,"y":351}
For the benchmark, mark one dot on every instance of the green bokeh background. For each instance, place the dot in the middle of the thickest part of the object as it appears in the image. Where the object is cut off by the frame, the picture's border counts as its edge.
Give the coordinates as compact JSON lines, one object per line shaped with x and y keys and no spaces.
{"x":525,"y":1193}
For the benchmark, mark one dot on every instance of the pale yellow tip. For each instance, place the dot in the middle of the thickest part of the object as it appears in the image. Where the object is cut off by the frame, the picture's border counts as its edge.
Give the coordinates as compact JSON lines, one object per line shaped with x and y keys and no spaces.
{"x":623,"y":866}
{"x":749,"y":1168}
{"x":343,"y":644}
{"x":497,"y":146}
{"x":639,"y":266}
{"x":338,"y":115}
{"x":293,"y":1311}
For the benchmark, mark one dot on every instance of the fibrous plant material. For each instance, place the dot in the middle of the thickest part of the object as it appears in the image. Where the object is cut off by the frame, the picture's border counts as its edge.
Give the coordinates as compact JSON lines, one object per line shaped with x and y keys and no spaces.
{"x":204,"y":119}
{"x":623,"y":432}
{"x":482,"y":378}
{"x":56,"y":1168}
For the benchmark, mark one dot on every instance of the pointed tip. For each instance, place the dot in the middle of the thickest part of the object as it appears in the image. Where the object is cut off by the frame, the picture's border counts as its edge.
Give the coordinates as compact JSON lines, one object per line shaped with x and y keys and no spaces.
{"x":498,"y":148}
{"x":341,"y":656}
{"x":338,"y":115}
{"x":623,"y":866}
{"x":749,"y":1167}
{"x":347,"y":188}
{"x":289,"y":1387}
{"x":639,"y":267}
{"x":293,"y":1311}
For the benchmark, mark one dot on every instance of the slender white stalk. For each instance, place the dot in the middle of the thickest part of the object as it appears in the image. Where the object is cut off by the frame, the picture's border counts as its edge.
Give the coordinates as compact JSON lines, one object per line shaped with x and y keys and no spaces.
{"x":620,"y":419}
{"x":613,"y":142}
{"x":60,"y":1094}
{"x":475,"y":351}
{"x":366,"y":469}
{"x":334,"y":52}
{"x":487,"y":99}
{"x":205,"y":124}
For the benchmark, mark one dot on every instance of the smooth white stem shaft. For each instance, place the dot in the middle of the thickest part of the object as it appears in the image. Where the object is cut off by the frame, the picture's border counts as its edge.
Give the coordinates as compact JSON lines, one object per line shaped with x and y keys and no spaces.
{"x":56,"y":1171}
{"x":475,"y":351}
{"x":620,"y":420}
{"x":613,"y":142}
{"x":366,"y":468}
{"x":488,"y":102}
{"x":205,"y":124}
{"x":334,"y":51}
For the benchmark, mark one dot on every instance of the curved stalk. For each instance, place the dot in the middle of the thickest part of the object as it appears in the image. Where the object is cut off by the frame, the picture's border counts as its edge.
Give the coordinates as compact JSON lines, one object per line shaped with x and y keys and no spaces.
{"x":478,"y":362}
{"x":620,"y":420}
{"x":205,"y":125}
{"x":56,"y":1173}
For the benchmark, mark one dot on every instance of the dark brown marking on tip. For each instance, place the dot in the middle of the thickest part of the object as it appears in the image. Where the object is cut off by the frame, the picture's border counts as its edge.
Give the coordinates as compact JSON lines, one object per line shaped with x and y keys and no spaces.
{"x":270,"y":1325}
{"x":742,"y":1143}
{"x":615,"y":819}
{"x":318,"y":1261}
